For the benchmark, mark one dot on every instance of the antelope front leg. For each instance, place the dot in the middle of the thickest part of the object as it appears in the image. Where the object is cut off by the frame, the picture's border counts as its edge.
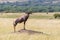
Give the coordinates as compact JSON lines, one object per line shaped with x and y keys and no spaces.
{"x":24,"y":25}
{"x":14,"y":28}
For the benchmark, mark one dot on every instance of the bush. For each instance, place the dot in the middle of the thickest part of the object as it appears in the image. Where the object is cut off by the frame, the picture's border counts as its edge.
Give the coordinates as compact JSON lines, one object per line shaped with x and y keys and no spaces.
{"x":56,"y":15}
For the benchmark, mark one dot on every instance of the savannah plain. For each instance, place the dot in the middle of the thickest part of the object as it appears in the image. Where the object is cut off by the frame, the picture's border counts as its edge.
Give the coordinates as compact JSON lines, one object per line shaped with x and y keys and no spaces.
{"x":39,"y":26}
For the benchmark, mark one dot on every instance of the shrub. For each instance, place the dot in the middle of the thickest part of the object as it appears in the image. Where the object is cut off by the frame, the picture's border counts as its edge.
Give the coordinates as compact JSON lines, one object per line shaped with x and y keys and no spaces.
{"x":56,"y":15}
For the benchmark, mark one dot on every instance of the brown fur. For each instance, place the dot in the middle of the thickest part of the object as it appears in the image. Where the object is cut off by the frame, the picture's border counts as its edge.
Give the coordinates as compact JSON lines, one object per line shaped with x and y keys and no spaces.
{"x":21,"y":19}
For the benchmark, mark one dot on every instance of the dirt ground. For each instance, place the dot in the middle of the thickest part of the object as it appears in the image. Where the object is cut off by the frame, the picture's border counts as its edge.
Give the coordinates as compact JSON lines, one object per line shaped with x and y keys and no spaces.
{"x":36,"y":29}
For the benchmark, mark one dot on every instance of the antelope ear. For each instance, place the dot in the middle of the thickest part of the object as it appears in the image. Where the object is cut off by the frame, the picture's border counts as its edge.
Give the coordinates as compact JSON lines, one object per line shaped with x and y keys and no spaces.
{"x":28,"y":12}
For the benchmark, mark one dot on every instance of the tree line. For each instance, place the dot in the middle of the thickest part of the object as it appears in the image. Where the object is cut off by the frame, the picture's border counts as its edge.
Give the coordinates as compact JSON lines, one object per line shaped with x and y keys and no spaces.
{"x":18,"y":7}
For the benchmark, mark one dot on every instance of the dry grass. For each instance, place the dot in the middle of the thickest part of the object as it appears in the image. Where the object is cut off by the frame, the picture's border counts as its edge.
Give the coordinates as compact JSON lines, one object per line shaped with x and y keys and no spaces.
{"x":47,"y":26}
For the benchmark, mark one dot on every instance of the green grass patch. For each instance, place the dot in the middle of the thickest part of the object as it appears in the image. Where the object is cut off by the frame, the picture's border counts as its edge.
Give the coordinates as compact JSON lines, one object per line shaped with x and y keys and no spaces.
{"x":41,"y":17}
{"x":35,"y":16}
{"x":10,"y":15}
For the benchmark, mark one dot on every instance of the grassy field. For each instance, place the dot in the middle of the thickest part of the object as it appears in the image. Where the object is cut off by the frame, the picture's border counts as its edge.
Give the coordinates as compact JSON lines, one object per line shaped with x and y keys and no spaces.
{"x":38,"y":28}
{"x":34,"y":15}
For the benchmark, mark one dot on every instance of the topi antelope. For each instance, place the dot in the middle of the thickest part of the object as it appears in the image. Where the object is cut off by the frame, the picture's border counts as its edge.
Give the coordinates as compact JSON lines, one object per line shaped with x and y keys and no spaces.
{"x":21,"y":19}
